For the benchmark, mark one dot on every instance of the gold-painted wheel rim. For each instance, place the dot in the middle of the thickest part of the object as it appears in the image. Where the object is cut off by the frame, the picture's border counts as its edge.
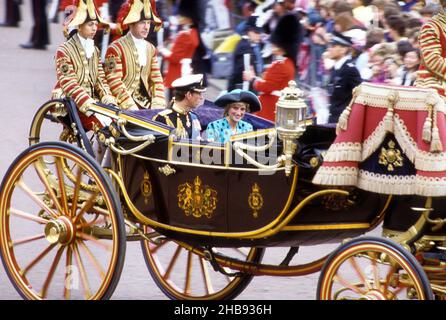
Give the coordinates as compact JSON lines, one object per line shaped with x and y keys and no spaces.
{"x":47,"y":243}
{"x":370,"y":272}
{"x":185,"y":275}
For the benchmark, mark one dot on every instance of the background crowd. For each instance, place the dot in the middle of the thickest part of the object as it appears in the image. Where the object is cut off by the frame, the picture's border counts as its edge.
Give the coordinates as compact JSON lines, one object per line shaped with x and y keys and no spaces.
{"x":384,"y":35}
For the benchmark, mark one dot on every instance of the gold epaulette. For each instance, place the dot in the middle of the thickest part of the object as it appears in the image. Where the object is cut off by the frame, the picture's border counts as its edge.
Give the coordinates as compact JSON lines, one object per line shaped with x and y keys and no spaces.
{"x":165,"y":112}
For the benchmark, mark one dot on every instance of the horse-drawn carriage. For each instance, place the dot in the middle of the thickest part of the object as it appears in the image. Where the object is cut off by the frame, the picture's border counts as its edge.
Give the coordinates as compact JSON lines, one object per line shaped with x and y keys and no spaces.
{"x":205,"y":212}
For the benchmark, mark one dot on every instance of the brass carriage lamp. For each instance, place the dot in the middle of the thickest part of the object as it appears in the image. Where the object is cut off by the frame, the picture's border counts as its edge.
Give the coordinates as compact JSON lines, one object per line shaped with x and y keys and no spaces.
{"x":291,"y":113}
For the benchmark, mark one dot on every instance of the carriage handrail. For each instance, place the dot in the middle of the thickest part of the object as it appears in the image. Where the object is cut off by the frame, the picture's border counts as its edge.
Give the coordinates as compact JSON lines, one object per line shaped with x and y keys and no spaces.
{"x":115,"y":113}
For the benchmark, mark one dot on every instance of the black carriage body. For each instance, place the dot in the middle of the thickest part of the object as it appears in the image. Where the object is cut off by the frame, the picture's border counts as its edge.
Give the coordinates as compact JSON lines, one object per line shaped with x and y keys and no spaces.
{"x":239,"y":200}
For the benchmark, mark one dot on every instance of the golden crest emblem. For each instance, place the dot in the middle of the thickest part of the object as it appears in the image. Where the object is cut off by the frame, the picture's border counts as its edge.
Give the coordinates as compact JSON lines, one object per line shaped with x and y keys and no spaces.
{"x":110,"y":64}
{"x":146,"y":187}
{"x":65,"y":68}
{"x":391,"y":157}
{"x":197,"y":200}
{"x":255,"y":200}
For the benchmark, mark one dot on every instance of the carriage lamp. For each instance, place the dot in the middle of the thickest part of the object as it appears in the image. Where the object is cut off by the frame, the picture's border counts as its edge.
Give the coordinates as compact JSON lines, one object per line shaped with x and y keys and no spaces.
{"x":291,"y":111}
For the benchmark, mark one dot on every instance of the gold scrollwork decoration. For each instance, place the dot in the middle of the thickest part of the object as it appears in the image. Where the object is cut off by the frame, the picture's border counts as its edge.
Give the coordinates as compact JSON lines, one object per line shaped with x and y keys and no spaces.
{"x":255,"y":200}
{"x":167,"y":170}
{"x":391,"y":157}
{"x":197,"y":200}
{"x":146,"y":187}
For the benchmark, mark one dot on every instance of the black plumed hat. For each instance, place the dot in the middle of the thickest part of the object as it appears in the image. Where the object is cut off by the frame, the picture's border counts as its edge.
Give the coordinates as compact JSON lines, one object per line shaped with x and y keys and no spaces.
{"x":190,"y":9}
{"x":286,"y":35}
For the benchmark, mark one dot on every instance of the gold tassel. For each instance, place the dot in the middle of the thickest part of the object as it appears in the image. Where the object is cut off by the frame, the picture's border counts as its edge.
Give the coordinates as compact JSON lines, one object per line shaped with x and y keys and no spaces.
{"x":427,"y":126}
{"x":343,"y":119}
{"x":436,"y":145}
{"x":392,"y":98}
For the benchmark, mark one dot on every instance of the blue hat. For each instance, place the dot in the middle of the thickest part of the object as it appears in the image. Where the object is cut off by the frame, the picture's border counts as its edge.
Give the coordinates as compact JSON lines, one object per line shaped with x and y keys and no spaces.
{"x":238,"y":95}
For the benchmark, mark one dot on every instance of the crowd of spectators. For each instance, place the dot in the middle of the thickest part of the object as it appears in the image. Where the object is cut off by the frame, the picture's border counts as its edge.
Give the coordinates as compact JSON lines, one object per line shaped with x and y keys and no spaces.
{"x":384,"y":34}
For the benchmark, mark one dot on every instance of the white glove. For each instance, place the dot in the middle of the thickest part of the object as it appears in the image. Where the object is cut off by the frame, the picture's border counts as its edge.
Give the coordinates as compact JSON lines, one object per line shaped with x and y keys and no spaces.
{"x":104,"y":120}
{"x":108,"y":99}
{"x":165,"y":52}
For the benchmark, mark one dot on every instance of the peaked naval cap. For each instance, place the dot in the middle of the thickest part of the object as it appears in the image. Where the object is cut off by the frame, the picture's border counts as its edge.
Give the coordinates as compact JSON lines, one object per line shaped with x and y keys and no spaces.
{"x":192,"y":82}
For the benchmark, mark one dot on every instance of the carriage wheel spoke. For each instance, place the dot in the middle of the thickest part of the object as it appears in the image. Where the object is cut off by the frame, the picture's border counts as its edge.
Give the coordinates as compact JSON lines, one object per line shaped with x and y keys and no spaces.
{"x":82,"y":272}
{"x":376,"y":279}
{"x":48,"y":188}
{"x":94,"y":240}
{"x":68,"y":270}
{"x":188,"y":273}
{"x":206,"y":277}
{"x":348,"y":285}
{"x":172,"y":263}
{"x":28,"y":239}
{"x":53,"y":268}
{"x":155,"y":248}
{"x":359,"y":272}
{"x":77,"y":186}
{"x":86,"y":206}
{"x":27,"y":216}
{"x":63,"y":193}
{"x":93,"y":260}
{"x":388,"y":278}
{"x":36,"y":199}
{"x":95,"y":221}
{"x":37,"y":259}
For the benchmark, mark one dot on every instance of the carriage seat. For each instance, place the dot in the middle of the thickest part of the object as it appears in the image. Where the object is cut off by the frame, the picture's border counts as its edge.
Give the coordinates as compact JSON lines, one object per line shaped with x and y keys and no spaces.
{"x":209,"y":112}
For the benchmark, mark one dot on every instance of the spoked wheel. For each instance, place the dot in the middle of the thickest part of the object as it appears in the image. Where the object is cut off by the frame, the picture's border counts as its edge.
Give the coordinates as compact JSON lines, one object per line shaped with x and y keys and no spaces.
{"x":57,"y":239}
{"x":184,"y":275}
{"x":373,"y":269}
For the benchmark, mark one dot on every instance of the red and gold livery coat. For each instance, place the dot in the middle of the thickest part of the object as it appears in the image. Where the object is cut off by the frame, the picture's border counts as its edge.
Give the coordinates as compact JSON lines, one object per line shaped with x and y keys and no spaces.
{"x":275,"y":78}
{"x":184,"y":47}
{"x":432,"y":39}
{"x":125,"y":76}
{"x":79,"y":78}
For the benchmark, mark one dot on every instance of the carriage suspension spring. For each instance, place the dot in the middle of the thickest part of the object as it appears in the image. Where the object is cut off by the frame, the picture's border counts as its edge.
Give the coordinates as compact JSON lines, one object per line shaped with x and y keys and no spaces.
{"x":210,"y":256}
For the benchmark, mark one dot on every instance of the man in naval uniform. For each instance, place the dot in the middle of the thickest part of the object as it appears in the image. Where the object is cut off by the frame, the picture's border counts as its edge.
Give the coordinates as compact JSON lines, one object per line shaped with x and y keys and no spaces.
{"x":188,"y":95}
{"x":344,"y":75}
{"x":131,"y":65}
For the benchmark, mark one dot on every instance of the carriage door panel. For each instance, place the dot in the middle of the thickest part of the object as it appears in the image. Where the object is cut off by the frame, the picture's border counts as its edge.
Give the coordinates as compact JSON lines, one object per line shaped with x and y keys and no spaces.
{"x":197,"y":198}
{"x":255,"y":200}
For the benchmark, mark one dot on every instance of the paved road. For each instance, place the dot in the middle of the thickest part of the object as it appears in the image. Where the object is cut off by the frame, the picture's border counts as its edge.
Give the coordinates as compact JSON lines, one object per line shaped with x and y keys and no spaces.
{"x":26,"y":79}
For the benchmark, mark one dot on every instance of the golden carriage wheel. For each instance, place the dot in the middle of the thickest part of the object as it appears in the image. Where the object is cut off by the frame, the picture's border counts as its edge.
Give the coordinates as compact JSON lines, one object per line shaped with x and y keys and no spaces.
{"x":184,"y":275}
{"x":58,"y":241}
{"x":372,"y":268}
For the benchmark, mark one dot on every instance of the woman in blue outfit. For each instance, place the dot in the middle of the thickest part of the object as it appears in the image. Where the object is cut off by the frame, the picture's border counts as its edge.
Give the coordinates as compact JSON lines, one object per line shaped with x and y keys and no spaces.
{"x":235,"y":103}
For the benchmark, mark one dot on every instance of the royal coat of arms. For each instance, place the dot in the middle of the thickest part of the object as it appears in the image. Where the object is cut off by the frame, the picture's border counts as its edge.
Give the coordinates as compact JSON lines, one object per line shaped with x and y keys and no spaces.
{"x":197,"y":200}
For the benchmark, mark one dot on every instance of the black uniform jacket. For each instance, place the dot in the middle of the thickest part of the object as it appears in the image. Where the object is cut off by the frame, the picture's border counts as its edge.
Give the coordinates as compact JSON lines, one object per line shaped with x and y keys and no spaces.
{"x":342,"y":83}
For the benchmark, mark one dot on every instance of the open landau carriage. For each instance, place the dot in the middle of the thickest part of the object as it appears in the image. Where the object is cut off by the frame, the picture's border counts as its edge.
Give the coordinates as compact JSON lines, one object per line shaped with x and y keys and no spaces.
{"x":205,"y":212}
